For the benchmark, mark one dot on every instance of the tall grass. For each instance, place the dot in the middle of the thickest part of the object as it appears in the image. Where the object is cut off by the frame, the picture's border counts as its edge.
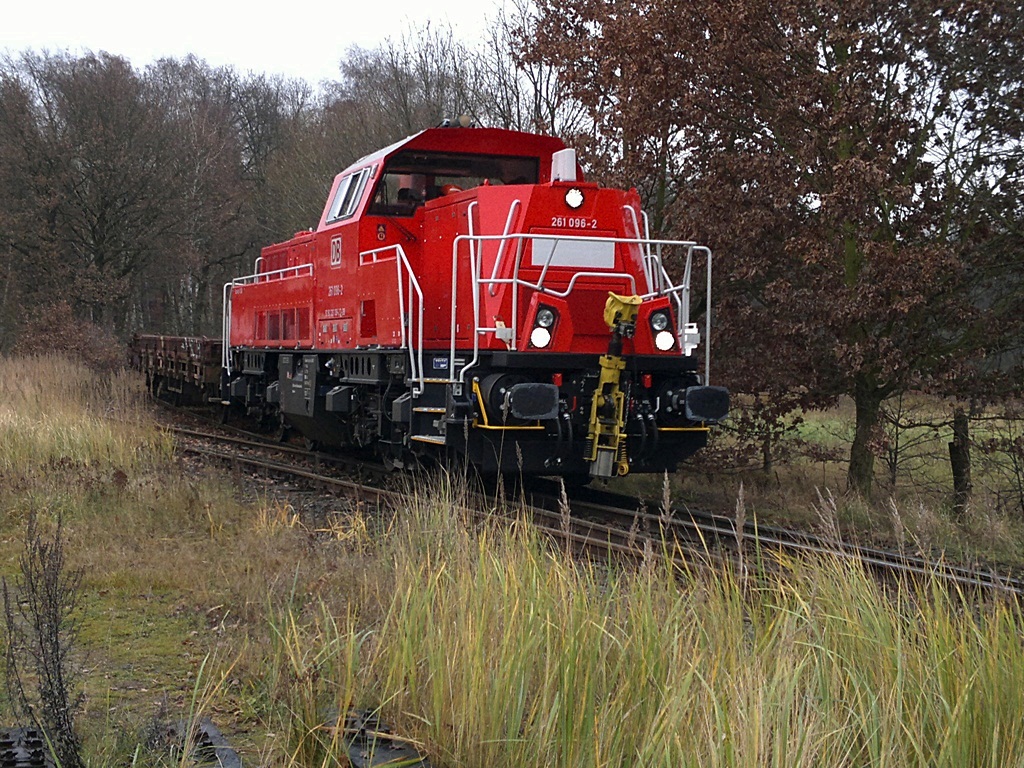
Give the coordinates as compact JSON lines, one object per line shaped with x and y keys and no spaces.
{"x":313,"y":683}
{"x":57,"y":413}
{"x":497,"y":650}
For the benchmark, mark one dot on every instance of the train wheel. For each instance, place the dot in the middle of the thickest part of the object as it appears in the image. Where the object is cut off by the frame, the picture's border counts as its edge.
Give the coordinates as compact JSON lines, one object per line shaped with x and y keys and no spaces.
{"x":282,"y":430}
{"x":576,"y":481}
{"x":393,"y":457}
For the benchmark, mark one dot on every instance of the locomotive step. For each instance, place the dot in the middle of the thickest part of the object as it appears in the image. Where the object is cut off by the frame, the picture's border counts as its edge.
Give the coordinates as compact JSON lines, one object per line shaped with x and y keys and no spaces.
{"x":429,"y":409}
{"x":433,"y":439}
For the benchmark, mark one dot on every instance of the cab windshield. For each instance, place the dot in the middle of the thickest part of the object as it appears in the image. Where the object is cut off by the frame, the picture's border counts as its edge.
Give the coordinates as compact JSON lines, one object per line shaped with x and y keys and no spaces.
{"x":411,"y":178}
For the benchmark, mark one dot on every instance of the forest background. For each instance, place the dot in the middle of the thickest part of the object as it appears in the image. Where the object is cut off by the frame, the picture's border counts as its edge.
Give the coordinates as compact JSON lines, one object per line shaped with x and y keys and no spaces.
{"x":856,"y":168}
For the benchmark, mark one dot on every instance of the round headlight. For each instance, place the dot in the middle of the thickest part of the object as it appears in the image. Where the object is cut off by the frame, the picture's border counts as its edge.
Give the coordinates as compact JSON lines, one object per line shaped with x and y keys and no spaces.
{"x":574,"y":198}
{"x":659,"y":321}
{"x":545,"y":317}
{"x":540,"y":337}
{"x":664,"y":341}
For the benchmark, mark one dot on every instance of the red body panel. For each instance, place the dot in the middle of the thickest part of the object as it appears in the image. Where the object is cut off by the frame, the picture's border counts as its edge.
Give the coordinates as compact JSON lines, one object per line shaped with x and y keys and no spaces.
{"x":274,"y":307}
{"x":338,"y":287}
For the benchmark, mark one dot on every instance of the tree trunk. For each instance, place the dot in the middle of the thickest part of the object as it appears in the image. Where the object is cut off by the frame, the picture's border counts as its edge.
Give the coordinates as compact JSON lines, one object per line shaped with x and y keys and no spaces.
{"x":767,"y":462}
{"x":868,"y":400}
{"x":960,"y":461}
{"x":6,"y":332}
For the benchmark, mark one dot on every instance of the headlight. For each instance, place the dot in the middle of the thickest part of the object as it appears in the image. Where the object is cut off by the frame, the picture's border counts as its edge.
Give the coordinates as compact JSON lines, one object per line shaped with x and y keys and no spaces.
{"x":659,"y":321}
{"x":664,"y":341}
{"x":540,"y":337}
{"x":545,"y":317}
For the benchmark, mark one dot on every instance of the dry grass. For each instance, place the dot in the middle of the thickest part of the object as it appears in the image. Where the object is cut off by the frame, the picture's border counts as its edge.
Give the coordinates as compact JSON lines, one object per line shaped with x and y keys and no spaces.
{"x":57,"y":414}
{"x":177,"y":569}
{"x":481,"y":643}
{"x":496,"y":650}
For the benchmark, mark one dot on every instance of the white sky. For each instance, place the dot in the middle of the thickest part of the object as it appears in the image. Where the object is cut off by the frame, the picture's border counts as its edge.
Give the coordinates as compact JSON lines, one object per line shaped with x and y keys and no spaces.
{"x":297,"y":38}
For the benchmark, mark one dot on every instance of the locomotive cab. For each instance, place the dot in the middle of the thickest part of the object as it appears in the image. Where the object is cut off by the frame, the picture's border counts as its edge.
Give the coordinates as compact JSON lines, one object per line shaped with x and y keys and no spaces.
{"x":466,"y":292}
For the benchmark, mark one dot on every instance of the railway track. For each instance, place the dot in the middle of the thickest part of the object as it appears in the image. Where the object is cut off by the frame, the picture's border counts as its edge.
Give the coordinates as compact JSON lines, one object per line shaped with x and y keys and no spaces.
{"x":723,"y":529}
{"x":592,"y":522}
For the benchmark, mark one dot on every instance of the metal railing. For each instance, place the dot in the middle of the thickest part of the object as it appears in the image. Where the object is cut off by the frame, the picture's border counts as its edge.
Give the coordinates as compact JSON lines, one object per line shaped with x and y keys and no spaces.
{"x":410,"y":294}
{"x":300,"y":270}
{"x":410,"y":303}
{"x":501,"y":249}
{"x":655,"y":275}
{"x":410,"y":300}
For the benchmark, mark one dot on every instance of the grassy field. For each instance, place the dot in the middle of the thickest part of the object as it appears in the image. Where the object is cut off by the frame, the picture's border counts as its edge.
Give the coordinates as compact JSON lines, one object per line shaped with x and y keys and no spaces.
{"x":480,"y":644}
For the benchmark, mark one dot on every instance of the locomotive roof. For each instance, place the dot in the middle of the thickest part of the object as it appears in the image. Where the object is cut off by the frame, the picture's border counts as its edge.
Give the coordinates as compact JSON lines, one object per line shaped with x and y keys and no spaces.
{"x":473,"y":141}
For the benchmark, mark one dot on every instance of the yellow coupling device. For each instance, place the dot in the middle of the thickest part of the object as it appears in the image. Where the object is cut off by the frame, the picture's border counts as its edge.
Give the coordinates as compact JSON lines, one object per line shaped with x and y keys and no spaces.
{"x":606,"y":439}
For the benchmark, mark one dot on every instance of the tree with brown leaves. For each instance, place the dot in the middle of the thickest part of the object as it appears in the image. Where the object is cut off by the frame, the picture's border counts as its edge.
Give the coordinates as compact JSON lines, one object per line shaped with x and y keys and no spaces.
{"x":857,"y":167}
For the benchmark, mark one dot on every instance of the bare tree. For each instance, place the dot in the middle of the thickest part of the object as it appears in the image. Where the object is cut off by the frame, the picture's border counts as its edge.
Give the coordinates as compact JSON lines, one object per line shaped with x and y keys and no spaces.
{"x":524,"y":94}
{"x":406,"y":84}
{"x":213,"y":229}
{"x":90,"y":163}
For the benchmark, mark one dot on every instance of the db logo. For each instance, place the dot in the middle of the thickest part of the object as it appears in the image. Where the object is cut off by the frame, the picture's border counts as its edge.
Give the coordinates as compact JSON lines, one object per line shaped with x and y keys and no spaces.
{"x":382,"y":232}
{"x":336,"y":252}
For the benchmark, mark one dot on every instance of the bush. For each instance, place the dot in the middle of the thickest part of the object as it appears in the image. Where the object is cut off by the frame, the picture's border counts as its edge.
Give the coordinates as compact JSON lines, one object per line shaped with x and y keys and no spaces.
{"x":54,"y":329}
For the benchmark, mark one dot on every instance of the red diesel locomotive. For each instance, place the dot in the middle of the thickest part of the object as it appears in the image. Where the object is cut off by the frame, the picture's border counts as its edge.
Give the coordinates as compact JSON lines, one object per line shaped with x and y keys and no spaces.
{"x":467,"y":293}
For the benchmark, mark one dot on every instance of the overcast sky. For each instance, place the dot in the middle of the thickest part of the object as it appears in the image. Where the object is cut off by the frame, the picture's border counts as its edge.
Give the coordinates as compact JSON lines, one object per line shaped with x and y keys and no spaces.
{"x":297,"y":38}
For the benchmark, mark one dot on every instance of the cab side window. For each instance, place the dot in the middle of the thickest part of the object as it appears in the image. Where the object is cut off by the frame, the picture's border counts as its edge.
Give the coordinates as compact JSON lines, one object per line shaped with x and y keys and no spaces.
{"x":350,"y":192}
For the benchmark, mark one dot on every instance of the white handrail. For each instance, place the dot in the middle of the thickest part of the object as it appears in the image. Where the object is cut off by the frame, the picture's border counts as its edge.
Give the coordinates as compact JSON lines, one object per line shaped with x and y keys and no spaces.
{"x":580,"y":238}
{"x":645,"y":255}
{"x":541,"y":288}
{"x":659,"y":284}
{"x":300,"y":270}
{"x":472,"y":230}
{"x":474,"y":272}
{"x":225,"y":329}
{"x":455,"y":302}
{"x":415,"y":349}
{"x":707,"y":316}
{"x":684,"y":311}
{"x":501,"y":248}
